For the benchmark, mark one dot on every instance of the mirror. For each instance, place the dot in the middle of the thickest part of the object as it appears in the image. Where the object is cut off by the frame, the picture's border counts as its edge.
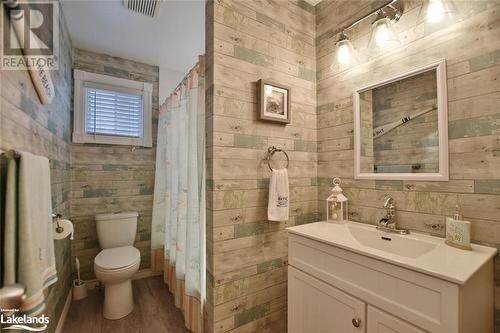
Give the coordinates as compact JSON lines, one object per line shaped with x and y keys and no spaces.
{"x":401,"y":127}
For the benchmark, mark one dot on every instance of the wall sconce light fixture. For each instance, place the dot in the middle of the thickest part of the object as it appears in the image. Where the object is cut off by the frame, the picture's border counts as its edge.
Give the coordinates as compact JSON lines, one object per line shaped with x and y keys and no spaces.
{"x":383,"y":35}
{"x":434,"y":11}
{"x":345,"y":50}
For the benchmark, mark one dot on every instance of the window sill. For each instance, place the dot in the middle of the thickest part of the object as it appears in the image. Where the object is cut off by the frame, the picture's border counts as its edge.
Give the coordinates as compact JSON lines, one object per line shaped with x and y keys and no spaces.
{"x":112,"y":140}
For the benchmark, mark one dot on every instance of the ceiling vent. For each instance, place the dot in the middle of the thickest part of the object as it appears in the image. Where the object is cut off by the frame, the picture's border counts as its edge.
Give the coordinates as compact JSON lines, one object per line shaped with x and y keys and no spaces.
{"x":145,"y":7}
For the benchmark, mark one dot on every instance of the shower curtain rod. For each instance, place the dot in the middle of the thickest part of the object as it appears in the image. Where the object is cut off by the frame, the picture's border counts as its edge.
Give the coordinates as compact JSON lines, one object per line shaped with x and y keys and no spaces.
{"x":199,"y":67}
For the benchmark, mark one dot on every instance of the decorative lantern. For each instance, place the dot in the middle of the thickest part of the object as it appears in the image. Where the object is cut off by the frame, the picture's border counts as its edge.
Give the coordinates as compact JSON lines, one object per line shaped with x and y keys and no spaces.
{"x":336,"y":204}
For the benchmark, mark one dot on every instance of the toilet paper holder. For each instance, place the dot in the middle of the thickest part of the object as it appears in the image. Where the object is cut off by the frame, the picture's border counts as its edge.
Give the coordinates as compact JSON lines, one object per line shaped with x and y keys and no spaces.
{"x":57,"y":217}
{"x":61,"y":227}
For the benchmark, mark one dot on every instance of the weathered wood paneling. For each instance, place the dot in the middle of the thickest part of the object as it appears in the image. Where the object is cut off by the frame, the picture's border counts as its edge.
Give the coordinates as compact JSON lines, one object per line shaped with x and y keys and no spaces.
{"x":471,"y":49}
{"x":248,"y":40}
{"x":111,"y":178}
{"x":27,"y":125}
{"x":246,"y":254}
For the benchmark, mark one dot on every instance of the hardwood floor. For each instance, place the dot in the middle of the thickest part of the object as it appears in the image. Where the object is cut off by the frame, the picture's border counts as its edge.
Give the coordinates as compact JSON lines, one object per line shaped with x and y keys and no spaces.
{"x":154,"y":312}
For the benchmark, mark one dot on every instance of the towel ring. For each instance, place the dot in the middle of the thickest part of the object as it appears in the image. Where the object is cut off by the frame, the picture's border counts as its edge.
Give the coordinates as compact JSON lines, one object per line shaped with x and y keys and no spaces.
{"x":270,"y":153}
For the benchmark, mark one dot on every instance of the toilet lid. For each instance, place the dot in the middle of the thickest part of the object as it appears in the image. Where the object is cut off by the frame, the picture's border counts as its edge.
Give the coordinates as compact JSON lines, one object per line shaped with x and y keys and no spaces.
{"x":117,"y":257}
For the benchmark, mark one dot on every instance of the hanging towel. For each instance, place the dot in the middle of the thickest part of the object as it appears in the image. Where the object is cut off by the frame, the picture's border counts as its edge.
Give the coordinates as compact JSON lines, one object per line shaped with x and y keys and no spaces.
{"x":28,"y":225}
{"x":10,"y":227}
{"x":279,"y":196}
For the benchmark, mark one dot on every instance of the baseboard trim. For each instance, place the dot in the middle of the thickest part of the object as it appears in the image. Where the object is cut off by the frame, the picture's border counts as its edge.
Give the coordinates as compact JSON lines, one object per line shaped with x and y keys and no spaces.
{"x":145,"y":273}
{"x":142,"y":274}
{"x":64,"y":313}
{"x":92,"y":284}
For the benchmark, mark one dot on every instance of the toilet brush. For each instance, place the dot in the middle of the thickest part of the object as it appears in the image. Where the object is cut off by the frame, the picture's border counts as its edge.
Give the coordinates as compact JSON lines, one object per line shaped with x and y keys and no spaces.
{"x":77,"y":265}
{"x":79,"y":286}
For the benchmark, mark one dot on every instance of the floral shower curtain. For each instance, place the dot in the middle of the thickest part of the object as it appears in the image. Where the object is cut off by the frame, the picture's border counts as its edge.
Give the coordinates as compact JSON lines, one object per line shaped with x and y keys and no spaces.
{"x":177,"y":239}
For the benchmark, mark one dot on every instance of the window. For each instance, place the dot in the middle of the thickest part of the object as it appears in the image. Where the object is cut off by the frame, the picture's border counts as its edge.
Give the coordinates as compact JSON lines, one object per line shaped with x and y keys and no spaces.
{"x":111,"y":110}
{"x":113,"y":113}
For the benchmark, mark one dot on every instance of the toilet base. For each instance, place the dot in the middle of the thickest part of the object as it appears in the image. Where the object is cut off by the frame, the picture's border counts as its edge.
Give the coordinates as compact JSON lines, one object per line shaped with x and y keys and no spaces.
{"x":118,"y":300}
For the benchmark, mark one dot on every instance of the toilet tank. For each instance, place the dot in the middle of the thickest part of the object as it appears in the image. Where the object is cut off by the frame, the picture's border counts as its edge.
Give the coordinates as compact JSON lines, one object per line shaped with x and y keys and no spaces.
{"x":116,"y":229}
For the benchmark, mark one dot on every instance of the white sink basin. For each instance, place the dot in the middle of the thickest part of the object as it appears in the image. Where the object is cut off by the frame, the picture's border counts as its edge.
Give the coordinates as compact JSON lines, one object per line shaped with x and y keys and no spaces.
{"x":418,"y":252}
{"x":405,"y":246}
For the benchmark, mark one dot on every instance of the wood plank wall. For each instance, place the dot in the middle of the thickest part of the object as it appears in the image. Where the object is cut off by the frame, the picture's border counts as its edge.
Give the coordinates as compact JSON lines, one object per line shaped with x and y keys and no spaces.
{"x":471,"y":48}
{"x":27,"y":125}
{"x":246,"y":254}
{"x":112,"y":178}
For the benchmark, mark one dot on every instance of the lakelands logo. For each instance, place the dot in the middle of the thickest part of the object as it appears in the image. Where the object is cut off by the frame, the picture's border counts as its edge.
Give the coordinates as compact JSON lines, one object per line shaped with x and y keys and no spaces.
{"x":30,"y":33}
{"x":24,"y":322}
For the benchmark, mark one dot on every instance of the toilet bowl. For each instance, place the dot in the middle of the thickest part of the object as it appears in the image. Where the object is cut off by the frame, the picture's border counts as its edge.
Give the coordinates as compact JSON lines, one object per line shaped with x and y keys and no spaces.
{"x":117,"y":262}
{"x":114,"y":267}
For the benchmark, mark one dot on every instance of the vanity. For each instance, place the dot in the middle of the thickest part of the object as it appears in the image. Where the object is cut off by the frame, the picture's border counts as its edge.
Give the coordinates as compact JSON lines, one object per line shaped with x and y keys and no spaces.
{"x":348,"y":277}
{"x":351,"y":277}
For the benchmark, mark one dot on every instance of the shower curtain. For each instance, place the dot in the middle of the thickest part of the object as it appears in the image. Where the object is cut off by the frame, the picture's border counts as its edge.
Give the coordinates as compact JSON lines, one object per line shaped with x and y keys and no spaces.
{"x":177,"y":239}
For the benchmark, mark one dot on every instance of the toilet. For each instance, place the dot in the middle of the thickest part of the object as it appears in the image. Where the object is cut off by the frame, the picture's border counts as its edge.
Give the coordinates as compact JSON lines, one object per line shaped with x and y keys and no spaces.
{"x":117,"y":261}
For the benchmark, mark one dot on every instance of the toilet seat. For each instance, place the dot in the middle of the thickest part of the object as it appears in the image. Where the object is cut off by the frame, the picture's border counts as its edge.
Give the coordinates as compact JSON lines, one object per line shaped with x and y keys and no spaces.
{"x":117,"y":258}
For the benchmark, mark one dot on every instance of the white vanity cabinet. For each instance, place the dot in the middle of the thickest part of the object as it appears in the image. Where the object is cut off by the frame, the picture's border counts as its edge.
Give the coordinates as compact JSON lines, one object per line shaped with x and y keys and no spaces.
{"x":332,"y":289}
{"x":315,"y":306}
{"x":382,"y":322}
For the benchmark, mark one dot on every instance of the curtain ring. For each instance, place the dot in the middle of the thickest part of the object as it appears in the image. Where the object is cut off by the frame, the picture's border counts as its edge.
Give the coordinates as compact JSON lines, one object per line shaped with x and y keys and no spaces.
{"x":270,"y":153}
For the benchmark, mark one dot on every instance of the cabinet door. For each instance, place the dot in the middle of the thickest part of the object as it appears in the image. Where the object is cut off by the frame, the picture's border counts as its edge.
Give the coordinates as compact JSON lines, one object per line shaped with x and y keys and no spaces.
{"x":317,"y":307}
{"x":382,"y":322}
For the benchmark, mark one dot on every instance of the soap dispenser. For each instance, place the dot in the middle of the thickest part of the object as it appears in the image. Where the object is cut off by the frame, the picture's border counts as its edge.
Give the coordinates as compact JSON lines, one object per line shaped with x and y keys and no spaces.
{"x":458,"y":231}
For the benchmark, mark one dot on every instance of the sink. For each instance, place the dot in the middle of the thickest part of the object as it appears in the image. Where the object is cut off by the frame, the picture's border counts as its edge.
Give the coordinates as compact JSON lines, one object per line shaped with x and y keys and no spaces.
{"x":416,"y":251}
{"x":376,"y":279}
{"x":405,"y":246}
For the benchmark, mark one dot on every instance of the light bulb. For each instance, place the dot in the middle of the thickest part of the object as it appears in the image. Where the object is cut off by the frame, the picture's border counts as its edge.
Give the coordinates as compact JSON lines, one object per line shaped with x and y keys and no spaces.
{"x":343,"y":54}
{"x":435,"y":11}
{"x":381,"y":35}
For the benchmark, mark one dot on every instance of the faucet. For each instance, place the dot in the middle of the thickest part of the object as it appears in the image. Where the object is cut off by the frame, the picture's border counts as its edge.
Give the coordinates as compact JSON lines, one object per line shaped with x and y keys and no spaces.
{"x":388,"y":222}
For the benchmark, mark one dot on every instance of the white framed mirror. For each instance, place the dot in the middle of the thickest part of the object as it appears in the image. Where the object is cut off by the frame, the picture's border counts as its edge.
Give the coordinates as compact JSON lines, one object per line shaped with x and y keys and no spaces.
{"x":401,"y":126}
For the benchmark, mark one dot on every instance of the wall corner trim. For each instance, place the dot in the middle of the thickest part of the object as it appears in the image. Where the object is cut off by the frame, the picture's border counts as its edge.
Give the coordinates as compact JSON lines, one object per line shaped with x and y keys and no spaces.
{"x":64,"y":313}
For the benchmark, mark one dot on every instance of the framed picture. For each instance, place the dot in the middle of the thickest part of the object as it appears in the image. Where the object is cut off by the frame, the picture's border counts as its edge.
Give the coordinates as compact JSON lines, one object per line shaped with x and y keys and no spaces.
{"x":274,"y":101}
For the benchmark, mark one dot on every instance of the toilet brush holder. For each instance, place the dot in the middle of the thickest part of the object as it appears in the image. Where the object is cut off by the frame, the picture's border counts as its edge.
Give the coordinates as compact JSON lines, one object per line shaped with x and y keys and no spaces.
{"x":79,"y":289}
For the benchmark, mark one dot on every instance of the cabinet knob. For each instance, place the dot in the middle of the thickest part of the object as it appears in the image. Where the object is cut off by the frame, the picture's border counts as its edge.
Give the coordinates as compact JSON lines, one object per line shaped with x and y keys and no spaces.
{"x":356,"y":322}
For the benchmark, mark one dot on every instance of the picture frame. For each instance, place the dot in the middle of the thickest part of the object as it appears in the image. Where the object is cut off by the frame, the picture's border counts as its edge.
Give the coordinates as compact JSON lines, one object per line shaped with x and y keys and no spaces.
{"x":274,"y":101}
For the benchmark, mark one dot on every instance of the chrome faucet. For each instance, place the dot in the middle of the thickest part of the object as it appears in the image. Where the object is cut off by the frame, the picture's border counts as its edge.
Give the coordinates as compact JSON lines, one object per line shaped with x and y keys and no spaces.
{"x":388,"y":222}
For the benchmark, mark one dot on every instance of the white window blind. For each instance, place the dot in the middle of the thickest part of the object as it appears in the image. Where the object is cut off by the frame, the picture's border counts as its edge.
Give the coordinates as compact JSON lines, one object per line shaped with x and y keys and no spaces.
{"x":113,"y":113}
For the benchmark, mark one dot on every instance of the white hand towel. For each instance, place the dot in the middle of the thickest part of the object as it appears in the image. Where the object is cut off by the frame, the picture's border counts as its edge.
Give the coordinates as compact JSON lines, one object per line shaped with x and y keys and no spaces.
{"x":34,"y":265}
{"x":279,"y":196}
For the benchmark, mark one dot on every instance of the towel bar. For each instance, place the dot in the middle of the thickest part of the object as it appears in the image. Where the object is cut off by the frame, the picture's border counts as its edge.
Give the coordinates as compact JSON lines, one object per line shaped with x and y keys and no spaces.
{"x":270,"y":152}
{"x":14,"y":152}
{"x":57,"y":217}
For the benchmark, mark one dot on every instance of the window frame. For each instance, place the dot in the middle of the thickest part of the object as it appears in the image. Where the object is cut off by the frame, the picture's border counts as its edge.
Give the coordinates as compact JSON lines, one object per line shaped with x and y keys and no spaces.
{"x":84,"y":79}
